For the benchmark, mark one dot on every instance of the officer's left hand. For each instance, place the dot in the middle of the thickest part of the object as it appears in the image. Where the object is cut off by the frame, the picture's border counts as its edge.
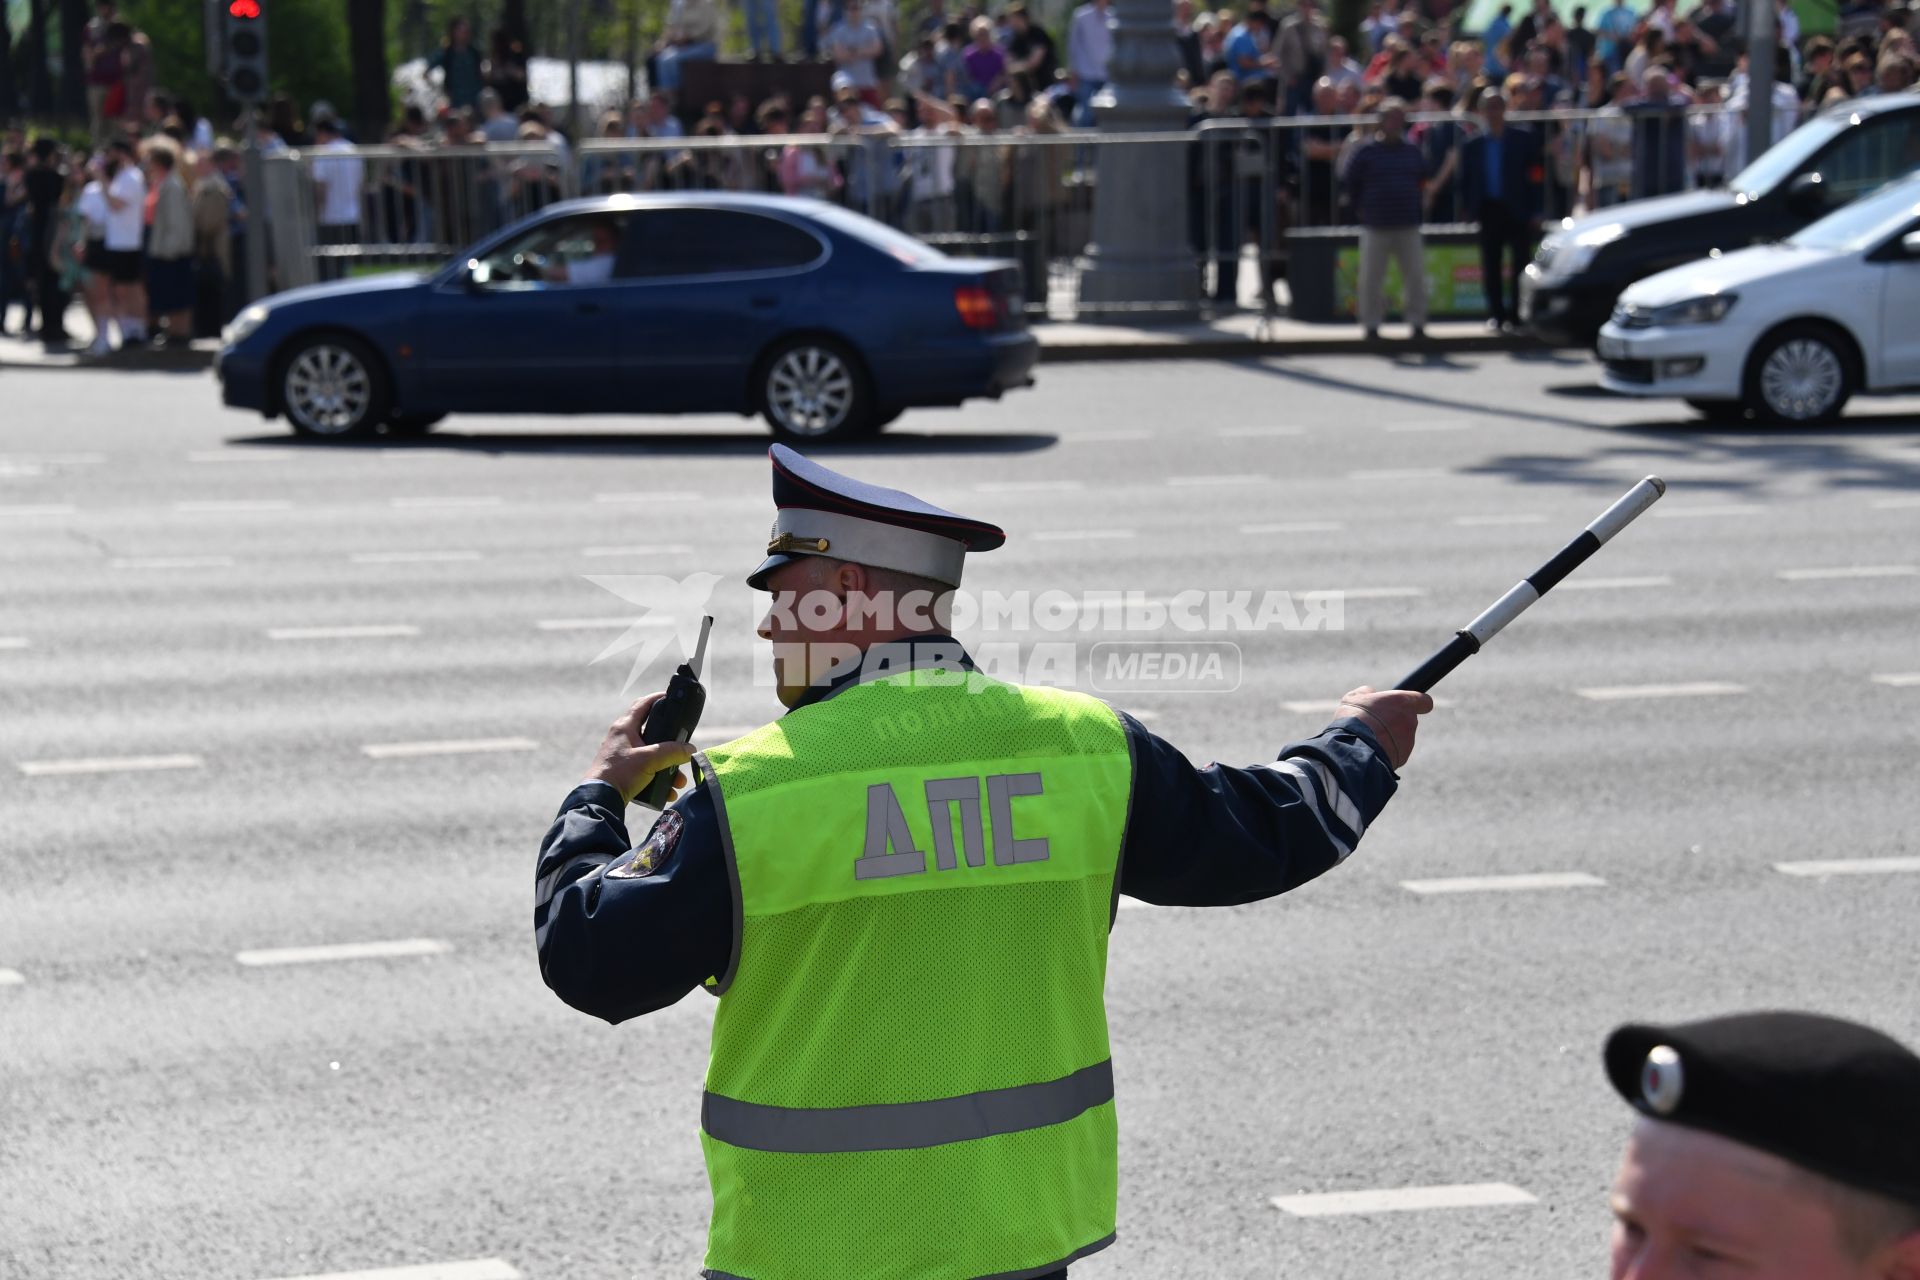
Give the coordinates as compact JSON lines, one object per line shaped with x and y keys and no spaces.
{"x":627,"y":764}
{"x":1392,"y":714}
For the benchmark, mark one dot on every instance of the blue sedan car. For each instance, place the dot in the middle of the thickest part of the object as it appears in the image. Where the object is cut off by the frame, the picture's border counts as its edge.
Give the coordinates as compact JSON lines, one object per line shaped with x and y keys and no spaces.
{"x":829,"y":323}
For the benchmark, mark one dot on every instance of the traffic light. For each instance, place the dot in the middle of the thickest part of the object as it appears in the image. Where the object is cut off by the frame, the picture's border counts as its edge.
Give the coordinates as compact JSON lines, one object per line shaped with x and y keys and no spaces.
{"x":243,"y":49}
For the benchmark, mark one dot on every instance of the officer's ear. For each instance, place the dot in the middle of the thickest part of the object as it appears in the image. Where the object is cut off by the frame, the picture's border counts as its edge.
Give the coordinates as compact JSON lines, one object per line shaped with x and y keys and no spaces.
{"x":850,"y":580}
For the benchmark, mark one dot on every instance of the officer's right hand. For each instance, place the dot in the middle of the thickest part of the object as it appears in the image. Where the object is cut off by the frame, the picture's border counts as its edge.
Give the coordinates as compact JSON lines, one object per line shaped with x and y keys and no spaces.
{"x":627,"y":764}
{"x":1392,"y":714}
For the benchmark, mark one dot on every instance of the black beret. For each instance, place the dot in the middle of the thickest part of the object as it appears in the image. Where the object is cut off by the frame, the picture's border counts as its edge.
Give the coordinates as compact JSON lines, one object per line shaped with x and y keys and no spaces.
{"x":1833,"y":1097}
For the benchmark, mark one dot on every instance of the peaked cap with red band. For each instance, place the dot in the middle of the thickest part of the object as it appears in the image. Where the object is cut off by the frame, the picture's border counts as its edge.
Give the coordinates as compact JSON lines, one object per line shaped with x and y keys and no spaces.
{"x":820,"y":512}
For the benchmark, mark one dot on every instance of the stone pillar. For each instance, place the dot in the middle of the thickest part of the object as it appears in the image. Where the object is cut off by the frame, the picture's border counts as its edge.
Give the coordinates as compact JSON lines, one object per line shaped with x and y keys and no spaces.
{"x":1140,"y":256}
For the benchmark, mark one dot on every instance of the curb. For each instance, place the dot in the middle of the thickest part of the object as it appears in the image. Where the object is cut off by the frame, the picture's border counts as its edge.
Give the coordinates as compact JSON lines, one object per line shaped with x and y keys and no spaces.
{"x":139,"y":362}
{"x":1050,"y":352}
{"x":1247,"y":348}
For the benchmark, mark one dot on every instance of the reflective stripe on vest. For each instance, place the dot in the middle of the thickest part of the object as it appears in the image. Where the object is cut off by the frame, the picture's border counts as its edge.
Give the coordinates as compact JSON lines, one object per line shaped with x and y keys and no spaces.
{"x":899,"y":1126}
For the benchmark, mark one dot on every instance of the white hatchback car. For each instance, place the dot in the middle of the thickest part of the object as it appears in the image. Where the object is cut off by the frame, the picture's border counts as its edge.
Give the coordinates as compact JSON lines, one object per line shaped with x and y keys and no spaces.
{"x":1788,"y":331}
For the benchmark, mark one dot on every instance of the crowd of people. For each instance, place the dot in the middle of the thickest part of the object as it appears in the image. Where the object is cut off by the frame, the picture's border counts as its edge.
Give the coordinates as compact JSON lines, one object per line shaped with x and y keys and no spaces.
{"x":1413,"y":83}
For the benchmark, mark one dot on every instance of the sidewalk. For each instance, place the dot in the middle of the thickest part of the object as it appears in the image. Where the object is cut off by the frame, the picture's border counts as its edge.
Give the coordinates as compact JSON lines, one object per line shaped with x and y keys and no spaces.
{"x":1236,"y":336}
{"x":1248,"y":334}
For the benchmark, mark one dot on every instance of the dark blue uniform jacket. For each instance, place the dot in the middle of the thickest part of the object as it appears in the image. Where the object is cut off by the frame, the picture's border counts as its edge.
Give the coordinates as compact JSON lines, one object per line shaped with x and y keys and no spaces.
{"x":618,"y":944}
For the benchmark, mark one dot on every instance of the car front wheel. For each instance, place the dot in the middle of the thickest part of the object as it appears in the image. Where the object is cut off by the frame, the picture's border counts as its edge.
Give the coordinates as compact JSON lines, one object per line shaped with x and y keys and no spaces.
{"x":1802,"y":373}
{"x":331,"y":385}
{"x":815,"y":389}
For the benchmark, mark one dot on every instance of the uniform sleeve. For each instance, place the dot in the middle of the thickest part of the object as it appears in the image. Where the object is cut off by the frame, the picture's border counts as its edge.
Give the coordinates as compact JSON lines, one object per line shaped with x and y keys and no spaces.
{"x":623,"y":931}
{"x":1220,"y":835}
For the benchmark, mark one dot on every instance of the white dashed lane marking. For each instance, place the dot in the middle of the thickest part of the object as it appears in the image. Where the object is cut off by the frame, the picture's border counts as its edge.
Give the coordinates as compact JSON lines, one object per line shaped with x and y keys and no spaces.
{"x":171,"y":562}
{"x":370,"y":631}
{"x":1896,"y":504}
{"x":413,"y":557}
{"x":1708,"y":513}
{"x":107,"y":764}
{"x":473,"y":1269}
{"x":599,"y":624}
{"x":1215,"y":482}
{"x":1696,"y":689}
{"x":1030,"y":486}
{"x":1327,"y":706}
{"x":232,"y":506}
{"x":14,"y":642}
{"x":1898,"y":679}
{"x":12,"y":978}
{"x":1082,"y":535}
{"x":1849,"y":867}
{"x":448,"y":503}
{"x":1506,"y":884}
{"x":1365,"y":593}
{"x":344,"y":951}
{"x":1851,"y":571}
{"x":447,"y":747}
{"x":38,"y":509}
{"x":673,"y":549}
{"x":1399,"y":473}
{"x":650,"y":498}
{"x":1614,"y":584}
{"x":1295,"y":526}
{"x":1479,"y":1195}
{"x":1475,"y":522}
{"x":229,"y":455}
{"x":1259,"y":433}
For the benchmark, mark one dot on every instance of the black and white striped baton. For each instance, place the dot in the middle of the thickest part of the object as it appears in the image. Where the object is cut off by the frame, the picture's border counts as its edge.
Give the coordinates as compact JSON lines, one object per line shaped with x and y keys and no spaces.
{"x":1467,"y":642}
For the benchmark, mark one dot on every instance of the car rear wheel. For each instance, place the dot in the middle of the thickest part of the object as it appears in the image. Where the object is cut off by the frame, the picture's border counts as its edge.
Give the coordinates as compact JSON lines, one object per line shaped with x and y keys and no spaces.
{"x":331,"y":385}
{"x":1719,"y":410}
{"x":814,"y":389}
{"x":1802,"y":373}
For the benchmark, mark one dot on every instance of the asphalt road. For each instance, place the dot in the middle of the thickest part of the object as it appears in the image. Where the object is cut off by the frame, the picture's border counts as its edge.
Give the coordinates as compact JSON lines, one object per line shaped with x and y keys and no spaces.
{"x":167,"y":1110}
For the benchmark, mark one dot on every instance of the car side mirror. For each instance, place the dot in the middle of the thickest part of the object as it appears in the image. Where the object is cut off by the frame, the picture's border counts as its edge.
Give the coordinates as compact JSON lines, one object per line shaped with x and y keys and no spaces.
{"x":1910,"y":245}
{"x":1807,"y":195}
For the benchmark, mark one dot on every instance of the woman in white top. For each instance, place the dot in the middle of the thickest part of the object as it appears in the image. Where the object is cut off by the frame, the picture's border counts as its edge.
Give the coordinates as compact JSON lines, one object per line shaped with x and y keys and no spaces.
{"x":91,"y":250}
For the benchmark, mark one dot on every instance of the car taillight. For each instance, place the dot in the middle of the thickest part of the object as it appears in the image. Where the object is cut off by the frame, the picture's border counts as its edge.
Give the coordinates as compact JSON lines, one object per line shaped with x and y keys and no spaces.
{"x":978,"y":307}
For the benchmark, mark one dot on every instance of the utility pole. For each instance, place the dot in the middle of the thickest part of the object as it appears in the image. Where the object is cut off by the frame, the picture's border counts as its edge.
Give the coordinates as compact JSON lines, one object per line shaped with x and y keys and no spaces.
{"x":574,"y":132}
{"x":1761,"y":42}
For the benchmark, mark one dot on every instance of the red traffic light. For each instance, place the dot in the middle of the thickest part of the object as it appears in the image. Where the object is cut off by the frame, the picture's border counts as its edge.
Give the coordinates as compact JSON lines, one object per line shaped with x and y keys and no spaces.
{"x":244,"y":8}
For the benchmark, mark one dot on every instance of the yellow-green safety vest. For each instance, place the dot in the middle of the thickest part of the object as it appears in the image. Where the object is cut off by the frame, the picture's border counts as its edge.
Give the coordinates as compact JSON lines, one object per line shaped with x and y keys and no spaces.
{"x":910,"y":1075}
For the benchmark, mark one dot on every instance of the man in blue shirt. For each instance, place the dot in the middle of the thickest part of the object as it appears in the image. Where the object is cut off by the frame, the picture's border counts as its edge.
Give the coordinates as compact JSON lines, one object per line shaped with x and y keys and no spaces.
{"x":1497,"y":30}
{"x":1615,"y":30}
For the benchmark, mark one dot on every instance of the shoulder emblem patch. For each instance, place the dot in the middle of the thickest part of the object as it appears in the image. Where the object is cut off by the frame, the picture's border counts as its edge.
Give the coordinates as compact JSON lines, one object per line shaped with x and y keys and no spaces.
{"x":651,"y":852}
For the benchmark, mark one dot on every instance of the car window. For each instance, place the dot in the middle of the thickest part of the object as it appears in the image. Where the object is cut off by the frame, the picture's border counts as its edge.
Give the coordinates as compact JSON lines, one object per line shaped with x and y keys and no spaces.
{"x":699,"y":242}
{"x":1866,"y":222}
{"x":576,"y":250}
{"x":1866,"y":157}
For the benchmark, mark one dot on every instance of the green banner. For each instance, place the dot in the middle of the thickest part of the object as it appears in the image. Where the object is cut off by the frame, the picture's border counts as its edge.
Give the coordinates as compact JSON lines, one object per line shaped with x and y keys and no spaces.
{"x":1454,"y":287}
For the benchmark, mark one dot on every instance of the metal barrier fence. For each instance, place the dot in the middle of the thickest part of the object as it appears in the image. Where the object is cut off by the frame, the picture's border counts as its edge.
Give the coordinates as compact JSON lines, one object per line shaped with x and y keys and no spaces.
{"x":1021,"y":195}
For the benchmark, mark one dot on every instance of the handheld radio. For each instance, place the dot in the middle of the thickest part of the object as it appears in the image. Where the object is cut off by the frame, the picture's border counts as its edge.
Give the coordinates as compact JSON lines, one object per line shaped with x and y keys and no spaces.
{"x":675,"y":716}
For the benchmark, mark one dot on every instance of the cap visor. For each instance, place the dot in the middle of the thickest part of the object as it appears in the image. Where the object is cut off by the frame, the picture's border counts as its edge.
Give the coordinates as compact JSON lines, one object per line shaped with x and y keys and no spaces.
{"x":758,"y":578}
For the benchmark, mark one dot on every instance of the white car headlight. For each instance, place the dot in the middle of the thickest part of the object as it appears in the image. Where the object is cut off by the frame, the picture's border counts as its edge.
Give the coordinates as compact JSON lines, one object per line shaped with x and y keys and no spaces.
{"x":1708,"y":309}
{"x":243,"y":325}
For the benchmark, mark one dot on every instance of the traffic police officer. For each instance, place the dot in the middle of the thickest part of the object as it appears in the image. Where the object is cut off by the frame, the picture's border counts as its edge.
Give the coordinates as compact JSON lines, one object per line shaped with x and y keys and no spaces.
{"x":1771,"y":1146}
{"x":900,"y":892}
